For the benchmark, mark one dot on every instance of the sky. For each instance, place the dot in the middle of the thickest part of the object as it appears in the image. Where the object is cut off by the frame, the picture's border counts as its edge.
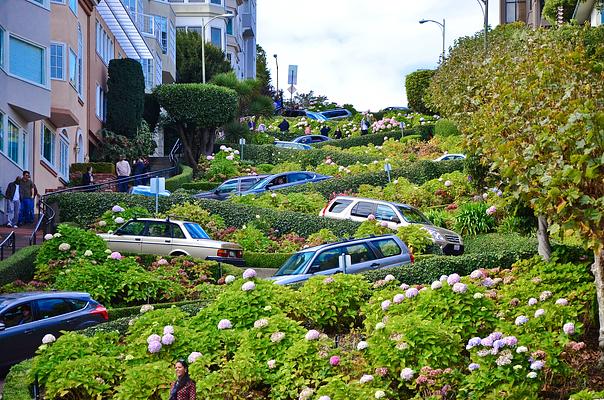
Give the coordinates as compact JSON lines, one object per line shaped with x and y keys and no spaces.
{"x":359,"y":51}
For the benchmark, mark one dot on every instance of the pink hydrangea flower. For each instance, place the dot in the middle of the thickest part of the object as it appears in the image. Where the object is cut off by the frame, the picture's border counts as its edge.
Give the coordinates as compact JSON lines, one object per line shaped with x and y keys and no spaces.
{"x":569,"y":328}
{"x":261,"y":323}
{"x":389,"y":278}
{"x":115,"y":255}
{"x":384,"y":224}
{"x":154,"y":347}
{"x":167,"y":339}
{"x":117,"y":209}
{"x":407,"y":374}
{"x":334,"y":361}
{"x":521,"y":320}
{"x":193,"y":357}
{"x":271,"y":364}
{"x":366,"y":378}
{"x":562,"y":302}
{"x":539,"y":312}
{"x":48,"y":338}
{"x":411,"y":292}
{"x":247,"y":286}
{"x":328,"y":280}
{"x":162,"y":261}
{"x":404,"y":286}
{"x":477,"y":274}
{"x":276,"y":337}
{"x":398,"y":298}
{"x":473,"y":366}
{"x":460,"y":287}
{"x":436,"y":285}
{"x":532,"y":301}
{"x":386,"y":304}
{"x":168,"y":329}
{"x":491,"y":210}
{"x":153,"y":338}
{"x":249,"y":273}
{"x":453,"y":279}
{"x":225,"y":324}
{"x":371,"y":217}
{"x":362,"y":345}
{"x":312,"y":335}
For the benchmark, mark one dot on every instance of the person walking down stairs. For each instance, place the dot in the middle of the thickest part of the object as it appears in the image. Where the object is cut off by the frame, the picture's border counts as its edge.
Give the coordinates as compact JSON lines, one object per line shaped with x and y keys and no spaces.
{"x":13,"y":202}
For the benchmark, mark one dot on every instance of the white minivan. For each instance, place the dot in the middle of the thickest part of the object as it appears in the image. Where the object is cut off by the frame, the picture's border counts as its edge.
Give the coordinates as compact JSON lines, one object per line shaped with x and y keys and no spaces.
{"x":395,"y":215}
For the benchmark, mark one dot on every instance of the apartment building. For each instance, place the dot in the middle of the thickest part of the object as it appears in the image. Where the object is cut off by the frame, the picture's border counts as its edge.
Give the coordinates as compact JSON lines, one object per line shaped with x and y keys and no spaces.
{"x":235,"y":35}
{"x":529,"y":12}
{"x":25,"y":84}
{"x":587,"y":11}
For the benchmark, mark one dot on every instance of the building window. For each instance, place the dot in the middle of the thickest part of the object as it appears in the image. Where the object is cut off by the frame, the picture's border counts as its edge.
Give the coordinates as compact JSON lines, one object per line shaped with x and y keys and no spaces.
{"x":13,"y":141}
{"x":229,"y":26}
{"x":1,"y":47}
{"x":162,"y":22}
{"x":229,"y":57}
{"x":1,"y":132}
{"x":73,"y":66}
{"x":27,"y":61}
{"x":47,"y":140}
{"x":101,"y":103}
{"x":73,"y":6}
{"x":104,"y":45}
{"x":216,"y":37}
{"x":219,"y":2}
{"x":80,"y":78}
{"x":147,"y":66}
{"x":64,"y":155}
{"x":58,"y":1}
{"x":57,"y":61}
{"x":514,"y":9}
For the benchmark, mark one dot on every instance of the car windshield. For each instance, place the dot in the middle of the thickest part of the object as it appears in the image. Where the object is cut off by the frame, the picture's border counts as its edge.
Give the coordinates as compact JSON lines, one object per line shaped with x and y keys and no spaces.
{"x":196,"y":231}
{"x":295,"y":264}
{"x":413,"y":216}
{"x":262,"y":182}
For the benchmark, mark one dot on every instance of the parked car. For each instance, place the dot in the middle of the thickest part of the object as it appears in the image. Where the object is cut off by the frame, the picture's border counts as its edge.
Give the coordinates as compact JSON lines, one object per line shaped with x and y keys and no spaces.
{"x":165,"y":237}
{"x":317,"y":116}
{"x":395,"y":215}
{"x":396,"y":108}
{"x":366,"y":254}
{"x":285,"y":179}
{"x":25,"y":318}
{"x":292,"y":145}
{"x":294,"y":113}
{"x":447,"y":157}
{"x":231,"y":187}
{"x":310,"y":139}
{"x":336,"y":113}
{"x":146,"y":191}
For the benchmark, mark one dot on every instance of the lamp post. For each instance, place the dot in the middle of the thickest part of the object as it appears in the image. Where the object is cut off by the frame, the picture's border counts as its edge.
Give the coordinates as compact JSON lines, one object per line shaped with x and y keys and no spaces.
{"x":278,"y":93}
{"x":442,"y":26}
{"x":484,"y":5}
{"x":203,"y":43}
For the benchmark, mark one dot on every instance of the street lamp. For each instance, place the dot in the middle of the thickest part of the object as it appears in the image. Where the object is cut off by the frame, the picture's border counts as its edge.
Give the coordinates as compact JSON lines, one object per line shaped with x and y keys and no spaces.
{"x":442,"y":26}
{"x":484,"y":5}
{"x":203,"y":43}
{"x":277,"y":62}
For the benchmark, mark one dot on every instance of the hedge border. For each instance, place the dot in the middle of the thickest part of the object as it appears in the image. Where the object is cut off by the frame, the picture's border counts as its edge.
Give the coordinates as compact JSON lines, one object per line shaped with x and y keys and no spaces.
{"x":265,"y":260}
{"x":423,"y":132}
{"x":176,"y":182}
{"x":16,"y":386}
{"x":20,"y":265}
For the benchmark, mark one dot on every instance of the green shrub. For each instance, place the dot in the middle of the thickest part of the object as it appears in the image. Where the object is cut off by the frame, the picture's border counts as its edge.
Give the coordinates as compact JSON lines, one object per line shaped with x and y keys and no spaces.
{"x":418,"y":240}
{"x":416,"y":84}
{"x":17,"y":382}
{"x":497,"y":242}
{"x":126,"y":96}
{"x":200,"y":185}
{"x":97,"y":167}
{"x":376,"y":139}
{"x":445,"y":127}
{"x":441,"y":218}
{"x":252,"y":239}
{"x":309,"y":202}
{"x":371,"y":227}
{"x":430,"y":268}
{"x":321,"y":237}
{"x":111,"y":220}
{"x":472,"y":219}
{"x":176,"y":182}
{"x":265,"y":260}
{"x":192,"y":212}
{"x":269,"y":154}
{"x":122,"y":312}
{"x":84,"y":208}
{"x":19,"y":266}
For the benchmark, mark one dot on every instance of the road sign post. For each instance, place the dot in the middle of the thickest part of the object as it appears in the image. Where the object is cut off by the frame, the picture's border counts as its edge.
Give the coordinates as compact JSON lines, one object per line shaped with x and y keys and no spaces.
{"x":158,"y":185}
{"x":388,"y":168}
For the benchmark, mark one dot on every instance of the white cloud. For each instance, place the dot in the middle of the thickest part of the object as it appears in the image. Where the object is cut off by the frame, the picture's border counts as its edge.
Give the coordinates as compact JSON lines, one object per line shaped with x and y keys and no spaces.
{"x":359,"y":51}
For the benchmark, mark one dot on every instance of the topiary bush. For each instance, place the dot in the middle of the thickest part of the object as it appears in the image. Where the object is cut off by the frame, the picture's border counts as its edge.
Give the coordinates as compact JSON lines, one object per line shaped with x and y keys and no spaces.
{"x":125,"y":96}
{"x":117,"y":215}
{"x":265,"y":260}
{"x":416,"y":84}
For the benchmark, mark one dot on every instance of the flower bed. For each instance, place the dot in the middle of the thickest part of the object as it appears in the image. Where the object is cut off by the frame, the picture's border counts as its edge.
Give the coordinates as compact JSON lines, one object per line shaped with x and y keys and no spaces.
{"x":504,"y":331}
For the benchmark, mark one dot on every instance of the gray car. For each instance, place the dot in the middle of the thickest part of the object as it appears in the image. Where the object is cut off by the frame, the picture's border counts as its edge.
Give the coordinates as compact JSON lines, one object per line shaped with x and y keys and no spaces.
{"x":366,"y":254}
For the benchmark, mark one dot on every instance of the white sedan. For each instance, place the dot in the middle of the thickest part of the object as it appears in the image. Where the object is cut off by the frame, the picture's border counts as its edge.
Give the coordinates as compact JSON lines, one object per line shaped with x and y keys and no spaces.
{"x":171,"y":237}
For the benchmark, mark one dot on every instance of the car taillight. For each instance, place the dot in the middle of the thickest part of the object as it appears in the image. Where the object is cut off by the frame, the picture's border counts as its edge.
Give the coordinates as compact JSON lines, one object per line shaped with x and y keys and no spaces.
{"x":222,"y":253}
{"x":412,"y":257}
{"x":102,"y":311}
{"x":239,"y":254}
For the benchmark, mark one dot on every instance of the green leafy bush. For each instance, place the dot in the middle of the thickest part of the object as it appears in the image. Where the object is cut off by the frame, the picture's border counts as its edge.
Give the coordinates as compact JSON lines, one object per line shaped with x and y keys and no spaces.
{"x":97,"y":167}
{"x":265,"y":260}
{"x":192,"y":212}
{"x":177,"y":181}
{"x":445,"y":127}
{"x":372,"y":227}
{"x":269,"y":154}
{"x":321,"y":237}
{"x":17,"y":383}
{"x":416,"y":84}
{"x":126,"y":96}
{"x":111,"y":220}
{"x":376,"y":139}
{"x":441,"y":218}
{"x":310,"y":203}
{"x":417,"y":239}
{"x":19,"y":266}
{"x":252,"y":239}
{"x":472,"y":219}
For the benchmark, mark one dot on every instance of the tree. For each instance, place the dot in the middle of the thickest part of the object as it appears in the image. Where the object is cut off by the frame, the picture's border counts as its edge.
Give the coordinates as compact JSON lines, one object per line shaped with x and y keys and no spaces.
{"x":263,"y":74}
{"x":189,"y":60}
{"x":251,"y":99}
{"x":416,"y":85}
{"x":125,"y":96}
{"x":195,"y":111}
{"x":309,"y":100}
{"x":534,"y":107}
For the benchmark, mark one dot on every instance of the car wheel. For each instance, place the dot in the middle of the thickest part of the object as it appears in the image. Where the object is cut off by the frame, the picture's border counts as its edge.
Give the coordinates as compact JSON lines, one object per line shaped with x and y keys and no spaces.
{"x":178,"y":253}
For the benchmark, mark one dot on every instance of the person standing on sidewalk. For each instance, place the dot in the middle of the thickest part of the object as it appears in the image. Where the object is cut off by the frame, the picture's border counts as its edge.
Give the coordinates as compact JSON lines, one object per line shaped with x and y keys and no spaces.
{"x":13,"y":202}
{"x":27,"y":193}
{"x":122,"y":168}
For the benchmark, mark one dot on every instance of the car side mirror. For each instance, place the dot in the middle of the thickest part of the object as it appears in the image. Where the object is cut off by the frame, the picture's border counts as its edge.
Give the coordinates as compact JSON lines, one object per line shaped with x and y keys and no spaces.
{"x":2,"y":327}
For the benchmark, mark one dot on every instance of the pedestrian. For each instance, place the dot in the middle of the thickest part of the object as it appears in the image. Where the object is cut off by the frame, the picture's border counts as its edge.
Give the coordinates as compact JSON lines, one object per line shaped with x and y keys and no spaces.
{"x":87,"y":177}
{"x":139,"y":169}
{"x":325,"y":130}
{"x":338,"y":133}
{"x":307,"y":130}
{"x":27,"y":193}
{"x":284,"y":126}
{"x":13,"y":202}
{"x":122,"y":168}
{"x":184,"y":387}
{"x":364,"y":126}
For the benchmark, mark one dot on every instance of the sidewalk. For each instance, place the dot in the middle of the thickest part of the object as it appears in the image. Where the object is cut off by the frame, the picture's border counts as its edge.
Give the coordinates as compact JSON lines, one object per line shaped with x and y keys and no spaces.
{"x":22,"y":235}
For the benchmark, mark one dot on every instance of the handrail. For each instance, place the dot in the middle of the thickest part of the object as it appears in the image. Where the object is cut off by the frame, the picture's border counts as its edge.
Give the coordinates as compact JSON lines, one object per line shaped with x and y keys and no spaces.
{"x":173,"y":152}
{"x":8,"y":241}
{"x":32,"y":237}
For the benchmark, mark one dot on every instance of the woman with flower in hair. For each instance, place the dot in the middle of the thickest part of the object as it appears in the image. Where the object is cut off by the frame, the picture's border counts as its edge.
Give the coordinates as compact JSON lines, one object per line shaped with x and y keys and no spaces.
{"x":184,"y":387}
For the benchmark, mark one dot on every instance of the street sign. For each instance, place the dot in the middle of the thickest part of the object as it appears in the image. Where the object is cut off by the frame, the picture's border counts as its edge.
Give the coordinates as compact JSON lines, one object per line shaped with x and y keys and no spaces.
{"x":292,"y":75}
{"x":158,"y":185}
{"x":291,"y":89}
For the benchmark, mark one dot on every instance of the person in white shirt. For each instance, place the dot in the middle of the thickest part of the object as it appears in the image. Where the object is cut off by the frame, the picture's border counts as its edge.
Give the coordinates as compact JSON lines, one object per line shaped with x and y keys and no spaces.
{"x":122,"y":168}
{"x":13,"y":202}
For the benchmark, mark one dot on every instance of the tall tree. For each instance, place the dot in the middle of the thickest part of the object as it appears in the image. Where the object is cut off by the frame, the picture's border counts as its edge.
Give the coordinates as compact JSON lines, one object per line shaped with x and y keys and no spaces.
{"x":534,"y":108}
{"x":189,"y":60}
{"x":195,"y":111}
{"x":125,"y":96}
{"x":263,"y":74}
{"x":251,"y":99}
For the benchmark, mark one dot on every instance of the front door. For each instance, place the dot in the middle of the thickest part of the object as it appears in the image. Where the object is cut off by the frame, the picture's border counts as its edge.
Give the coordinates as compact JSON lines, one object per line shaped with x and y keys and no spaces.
{"x":157,"y":238}
{"x":128,"y":238}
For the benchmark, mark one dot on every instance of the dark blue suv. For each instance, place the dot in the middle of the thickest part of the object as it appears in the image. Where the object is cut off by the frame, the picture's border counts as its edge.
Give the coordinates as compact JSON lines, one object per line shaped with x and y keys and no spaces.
{"x":284,"y":180}
{"x":26,"y":317}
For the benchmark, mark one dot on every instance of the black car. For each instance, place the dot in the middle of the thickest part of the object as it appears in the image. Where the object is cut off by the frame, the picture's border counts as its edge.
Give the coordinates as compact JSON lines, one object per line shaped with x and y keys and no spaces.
{"x":230,"y":187}
{"x":25,"y":318}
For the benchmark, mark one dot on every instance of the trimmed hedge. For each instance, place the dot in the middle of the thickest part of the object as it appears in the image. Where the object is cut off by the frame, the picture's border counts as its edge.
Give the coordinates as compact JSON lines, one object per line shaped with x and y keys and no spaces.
{"x":416,"y":85}
{"x":417,"y":172}
{"x":269,"y":154}
{"x":429,"y":269}
{"x":122,"y":312}
{"x":176,"y":182}
{"x":97,"y":167}
{"x":499,"y":242}
{"x":16,"y":385}
{"x":265,"y":260}
{"x":377,"y":139}
{"x":19,"y":266}
{"x":84,"y":208}
{"x":200,"y":185}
